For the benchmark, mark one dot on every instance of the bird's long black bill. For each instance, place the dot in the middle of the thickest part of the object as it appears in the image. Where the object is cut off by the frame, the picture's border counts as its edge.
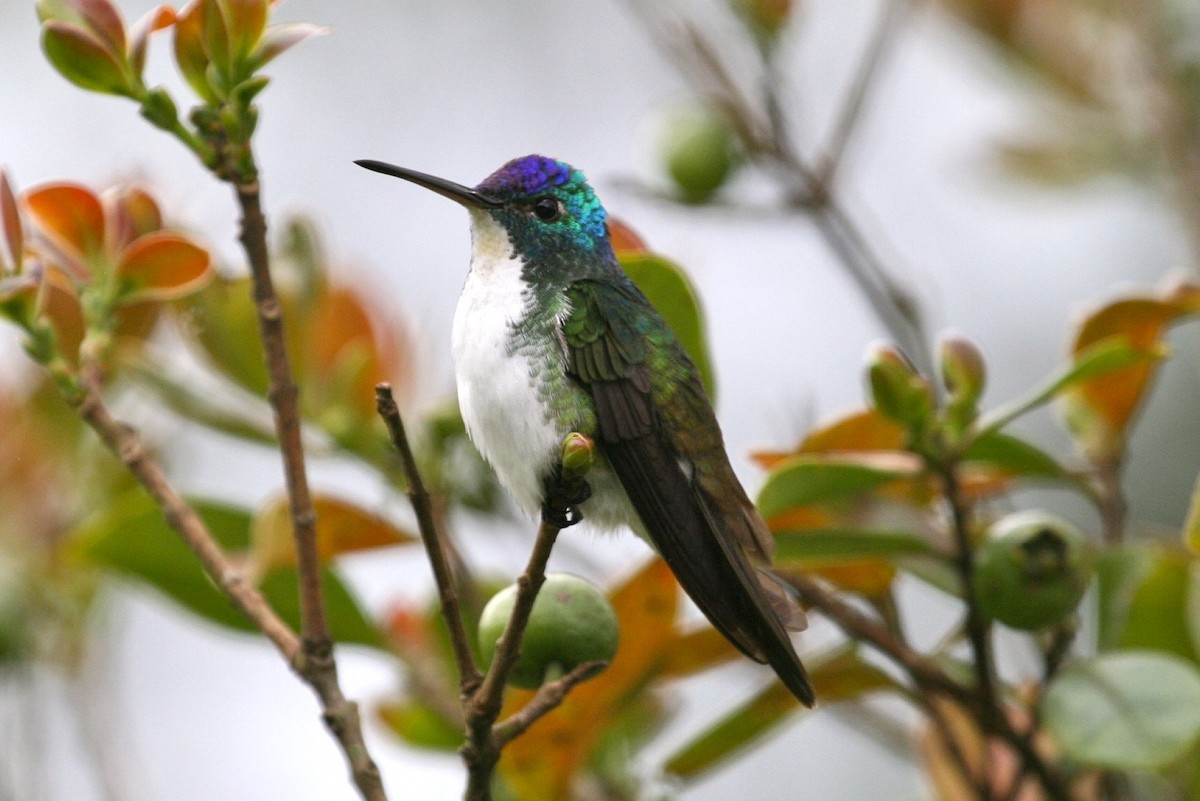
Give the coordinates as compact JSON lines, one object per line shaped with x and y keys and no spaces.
{"x":463,"y":195}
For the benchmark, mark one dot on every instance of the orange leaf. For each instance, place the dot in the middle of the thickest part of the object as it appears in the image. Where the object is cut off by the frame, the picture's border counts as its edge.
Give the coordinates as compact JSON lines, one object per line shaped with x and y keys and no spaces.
{"x":347,"y":342}
{"x":190,"y":53}
{"x":246,"y":20}
{"x":105,"y":21}
{"x":858,"y":431}
{"x":625,"y":241}
{"x":59,"y":303}
{"x":1100,"y":410}
{"x":871,"y":578}
{"x":162,"y":266}
{"x":542,"y":762}
{"x":699,"y":650}
{"x":130,"y":212}
{"x":70,"y":216}
{"x":342,"y":528}
{"x":153,"y":20}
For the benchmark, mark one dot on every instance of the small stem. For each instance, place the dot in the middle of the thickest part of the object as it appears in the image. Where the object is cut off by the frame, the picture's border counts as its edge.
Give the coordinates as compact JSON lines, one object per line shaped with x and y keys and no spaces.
{"x":977,"y":626}
{"x":468,"y":672}
{"x":548,"y":697}
{"x":283,"y":396}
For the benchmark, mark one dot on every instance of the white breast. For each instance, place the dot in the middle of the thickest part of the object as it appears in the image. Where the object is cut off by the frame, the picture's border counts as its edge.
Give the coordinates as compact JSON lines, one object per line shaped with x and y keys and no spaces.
{"x":498,"y":392}
{"x":496,"y":389}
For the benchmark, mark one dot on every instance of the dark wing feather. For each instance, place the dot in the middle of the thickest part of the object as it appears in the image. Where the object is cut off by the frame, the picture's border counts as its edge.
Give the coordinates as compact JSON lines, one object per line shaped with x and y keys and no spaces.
{"x":662,"y":441}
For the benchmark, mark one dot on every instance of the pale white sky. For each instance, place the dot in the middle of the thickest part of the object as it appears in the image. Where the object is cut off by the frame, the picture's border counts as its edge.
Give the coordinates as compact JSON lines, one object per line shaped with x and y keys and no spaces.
{"x":457,"y":88}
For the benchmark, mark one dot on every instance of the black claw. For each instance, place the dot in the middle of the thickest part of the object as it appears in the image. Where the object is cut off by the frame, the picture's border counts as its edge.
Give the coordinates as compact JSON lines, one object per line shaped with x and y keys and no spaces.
{"x":561,"y":507}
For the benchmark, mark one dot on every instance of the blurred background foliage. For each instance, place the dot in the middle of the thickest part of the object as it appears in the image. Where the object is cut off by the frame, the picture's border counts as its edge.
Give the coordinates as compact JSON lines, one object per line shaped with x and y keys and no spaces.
{"x":915,"y":485}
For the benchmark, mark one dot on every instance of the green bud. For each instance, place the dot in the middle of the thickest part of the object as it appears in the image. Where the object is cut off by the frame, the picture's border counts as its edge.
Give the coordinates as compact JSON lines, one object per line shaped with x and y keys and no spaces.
{"x":963,"y":371}
{"x":571,"y":623}
{"x":578,"y":452}
{"x":897,"y":389}
{"x":1032,"y":571}
{"x":159,"y":109}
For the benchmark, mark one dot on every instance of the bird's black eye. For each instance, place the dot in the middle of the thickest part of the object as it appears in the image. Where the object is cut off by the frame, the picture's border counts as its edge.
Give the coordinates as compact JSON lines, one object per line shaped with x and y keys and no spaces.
{"x":547,"y":209}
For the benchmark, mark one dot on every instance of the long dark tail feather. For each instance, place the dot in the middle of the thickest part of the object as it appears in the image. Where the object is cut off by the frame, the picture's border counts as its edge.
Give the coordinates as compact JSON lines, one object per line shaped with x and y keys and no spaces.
{"x":710,"y":566}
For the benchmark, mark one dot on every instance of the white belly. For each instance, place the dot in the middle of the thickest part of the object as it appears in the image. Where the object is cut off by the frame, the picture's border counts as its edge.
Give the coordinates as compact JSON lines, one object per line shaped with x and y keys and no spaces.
{"x":502,"y":403}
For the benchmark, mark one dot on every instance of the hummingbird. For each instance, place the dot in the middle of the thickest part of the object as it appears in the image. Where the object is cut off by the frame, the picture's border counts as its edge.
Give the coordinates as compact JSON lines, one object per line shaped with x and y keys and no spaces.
{"x":550,"y":337}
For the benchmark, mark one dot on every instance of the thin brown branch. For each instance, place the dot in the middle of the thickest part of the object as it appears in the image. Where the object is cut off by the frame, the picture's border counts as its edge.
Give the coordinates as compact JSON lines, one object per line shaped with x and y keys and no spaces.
{"x":314,"y":665}
{"x":547,"y":699}
{"x":468,"y":672}
{"x":284,"y":397}
{"x":767,"y":142}
{"x":318,"y":668}
{"x":977,"y":626}
{"x":127,"y":446}
{"x":924,"y":672}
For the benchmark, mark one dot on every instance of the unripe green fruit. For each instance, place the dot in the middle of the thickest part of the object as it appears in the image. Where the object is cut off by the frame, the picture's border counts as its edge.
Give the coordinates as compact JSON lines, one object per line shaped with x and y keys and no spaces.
{"x":699,"y":152}
{"x":571,"y":623}
{"x":1032,"y":571}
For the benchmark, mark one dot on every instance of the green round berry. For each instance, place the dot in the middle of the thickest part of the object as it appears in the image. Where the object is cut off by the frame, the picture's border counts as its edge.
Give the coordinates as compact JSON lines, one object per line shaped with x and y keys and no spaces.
{"x":699,"y":152}
{"x":1032,"y":571}
{"x":571,"y":623}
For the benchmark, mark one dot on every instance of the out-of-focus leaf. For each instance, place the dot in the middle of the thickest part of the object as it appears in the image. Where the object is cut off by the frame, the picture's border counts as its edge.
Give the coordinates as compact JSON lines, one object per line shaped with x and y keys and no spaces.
{"x":418,"y":725}
{"x":342,"y":528}
{"x":221,"y":318}
{"x":132,"y":538}
{"x":1191,"y":526}
{"x":1119,"y":573}
{"x":1126,"y":710}
{"x":1100,"y":410}
{"x":182,"y":399}
{"x":246,"y":21}
{"x":349,"y":352}
{"x":1097,"y":359}
{"x":10,"y":224}
{"x":1157,"y":615}
{"x":190,"y":53}
{"x":69,"y":214}
{"x":1013,"y":456}
{"x":84,"y":60}
{"x":699,"y":650}
{"x":542,"y":762}
{"x":825,"y":546}
{"x":804,"y":479}
{"x":58,"y":302}
{"x":131,"y":212}
{"x":278,"y":39}
{"x":859,"y":431}
{"x":18,"y":297}
{"x":667,"y":287}
{"x":153,"y":20}
{"x":162,"y":266}
{"x":841,"y":678}
{"x":625,"y":240}
{"x":99,"y":17}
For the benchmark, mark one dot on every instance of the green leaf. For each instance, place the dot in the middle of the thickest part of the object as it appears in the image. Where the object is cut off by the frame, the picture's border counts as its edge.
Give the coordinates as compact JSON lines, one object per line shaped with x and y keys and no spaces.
{"x":1119,"y":571}
{"x":843,"y":677}
{"x":1128,"y":710}
{"x":840,"y":545}
{"x":667,"y":287}
{"x":1107,"y":355}
{"x":1014,"y":456}
{"x":417,"y":724}
{"x":807,"y":479}
{"x":1157,"y":617}
{"x":84,"y":60}
{"x":132,"y":538}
